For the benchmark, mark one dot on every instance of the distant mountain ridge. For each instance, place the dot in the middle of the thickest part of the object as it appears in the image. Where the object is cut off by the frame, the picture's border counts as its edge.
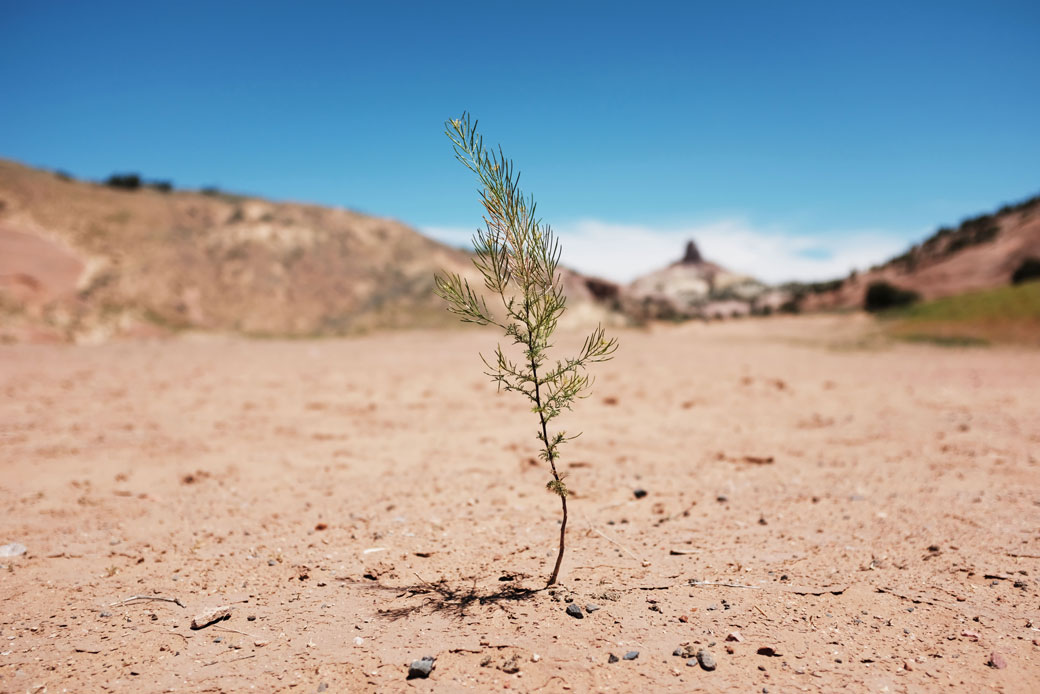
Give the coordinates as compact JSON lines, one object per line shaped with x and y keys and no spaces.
{"x":87,"y":262}
{"x":693,"y":287}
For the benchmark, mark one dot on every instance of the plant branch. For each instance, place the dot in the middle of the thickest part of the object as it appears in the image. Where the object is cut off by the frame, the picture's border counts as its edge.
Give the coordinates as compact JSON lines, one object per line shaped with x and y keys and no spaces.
{"x":518,"y":258}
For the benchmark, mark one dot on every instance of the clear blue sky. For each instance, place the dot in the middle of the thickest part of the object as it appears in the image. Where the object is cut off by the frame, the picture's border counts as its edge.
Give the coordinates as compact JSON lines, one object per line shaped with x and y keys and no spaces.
{"x":831,"y":130}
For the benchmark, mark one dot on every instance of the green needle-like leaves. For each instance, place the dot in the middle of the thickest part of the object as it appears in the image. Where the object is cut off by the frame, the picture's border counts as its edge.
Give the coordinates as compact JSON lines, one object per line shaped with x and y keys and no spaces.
{"x":519,"y":258}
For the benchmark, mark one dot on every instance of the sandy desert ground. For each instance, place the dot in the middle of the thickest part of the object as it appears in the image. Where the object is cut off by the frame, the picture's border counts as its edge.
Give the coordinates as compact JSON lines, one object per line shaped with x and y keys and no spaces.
{"x":870,"y":509}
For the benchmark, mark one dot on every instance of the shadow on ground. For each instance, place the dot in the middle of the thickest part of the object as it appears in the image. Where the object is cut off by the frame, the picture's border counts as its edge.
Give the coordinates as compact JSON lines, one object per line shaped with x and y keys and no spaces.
{"x":455,"y":599}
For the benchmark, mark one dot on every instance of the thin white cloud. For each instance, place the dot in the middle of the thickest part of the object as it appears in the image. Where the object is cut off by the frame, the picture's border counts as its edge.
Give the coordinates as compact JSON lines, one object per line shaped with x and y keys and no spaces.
{"x":622,"y":252}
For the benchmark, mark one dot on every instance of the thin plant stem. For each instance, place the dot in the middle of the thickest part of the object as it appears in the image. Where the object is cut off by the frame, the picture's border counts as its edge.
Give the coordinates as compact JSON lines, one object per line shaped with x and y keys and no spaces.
{"x":551,"y":456}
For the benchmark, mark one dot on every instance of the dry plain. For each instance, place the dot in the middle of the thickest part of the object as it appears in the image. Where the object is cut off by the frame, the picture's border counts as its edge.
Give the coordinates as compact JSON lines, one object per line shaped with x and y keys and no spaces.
{"x":360,"y":503}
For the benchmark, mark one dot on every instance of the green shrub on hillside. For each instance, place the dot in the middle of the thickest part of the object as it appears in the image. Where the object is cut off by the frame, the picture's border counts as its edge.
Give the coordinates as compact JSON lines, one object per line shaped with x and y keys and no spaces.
{"x":1028,"y":270}
{"x":124,"y":181}
{"x":881,"y":295}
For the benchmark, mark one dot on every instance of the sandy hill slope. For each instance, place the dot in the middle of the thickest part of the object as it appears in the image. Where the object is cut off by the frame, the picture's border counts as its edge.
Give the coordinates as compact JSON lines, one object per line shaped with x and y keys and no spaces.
{"x":982,"y":253}
{"x":86,"y":262}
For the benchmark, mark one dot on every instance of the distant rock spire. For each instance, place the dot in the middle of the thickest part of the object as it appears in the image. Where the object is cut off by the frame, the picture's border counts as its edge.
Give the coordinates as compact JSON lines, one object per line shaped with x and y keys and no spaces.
{"x":692,"y":255}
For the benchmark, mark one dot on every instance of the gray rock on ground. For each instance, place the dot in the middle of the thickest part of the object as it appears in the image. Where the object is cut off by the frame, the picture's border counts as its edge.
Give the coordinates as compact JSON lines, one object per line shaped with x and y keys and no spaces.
{"x":421,"y":668}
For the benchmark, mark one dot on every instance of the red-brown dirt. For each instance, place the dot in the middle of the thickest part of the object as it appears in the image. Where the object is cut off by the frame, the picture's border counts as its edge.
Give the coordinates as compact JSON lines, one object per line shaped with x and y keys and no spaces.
{"x":359,"y":503}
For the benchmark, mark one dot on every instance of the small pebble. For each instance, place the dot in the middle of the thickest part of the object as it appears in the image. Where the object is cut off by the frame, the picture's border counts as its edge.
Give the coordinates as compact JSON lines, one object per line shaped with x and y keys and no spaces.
{"x":678,"y":651}
{"x":272,"y":562}
{"x":591,"y":607}
{"x":322,"y":687}
{"x":105,"y":613}
{"x":631,"y":655}
{"x":722,"y":498}
{"x":251,"y":618}
{"x":214,"y":614}
{"x":639,"y":493}
{"x":575,"y":611}
{"x":12,"y":549}
{"x":996,"y":661}
{"x":612,"y":658}
{"x":706,"y":659}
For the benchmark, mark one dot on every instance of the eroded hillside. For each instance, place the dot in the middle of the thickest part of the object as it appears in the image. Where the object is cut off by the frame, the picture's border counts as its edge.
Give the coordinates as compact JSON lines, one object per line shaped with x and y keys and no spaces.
{"x":86,"y":262}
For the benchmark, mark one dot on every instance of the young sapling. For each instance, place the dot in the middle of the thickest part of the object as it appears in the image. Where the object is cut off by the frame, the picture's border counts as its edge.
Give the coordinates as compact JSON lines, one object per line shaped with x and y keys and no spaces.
{"x":518,"y":257}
